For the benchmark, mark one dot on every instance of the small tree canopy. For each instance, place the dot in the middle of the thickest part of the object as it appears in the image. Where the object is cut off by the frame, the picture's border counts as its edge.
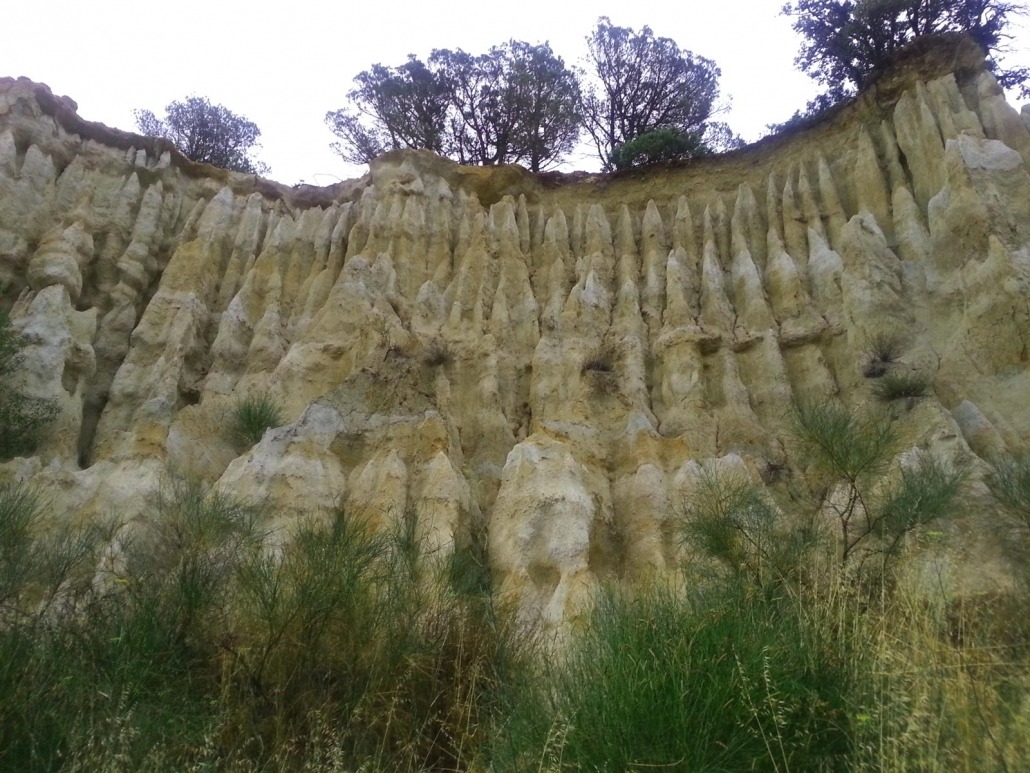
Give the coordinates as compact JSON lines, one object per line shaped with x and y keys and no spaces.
{"x":210,"y":134}
{"x":849,"y":42}
{"x":646,"y":83}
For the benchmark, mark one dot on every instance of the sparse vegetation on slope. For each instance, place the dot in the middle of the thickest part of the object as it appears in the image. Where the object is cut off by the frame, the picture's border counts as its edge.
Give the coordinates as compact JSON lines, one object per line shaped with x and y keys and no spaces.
{"x":192,"y":640}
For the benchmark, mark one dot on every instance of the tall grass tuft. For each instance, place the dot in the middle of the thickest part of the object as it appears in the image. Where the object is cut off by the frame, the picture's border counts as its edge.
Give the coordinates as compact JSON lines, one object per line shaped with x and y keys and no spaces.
{"x":897,"y":385}
{"x":722,"y":680}
{"x":941,"y":684}
{"x":250,"y":417}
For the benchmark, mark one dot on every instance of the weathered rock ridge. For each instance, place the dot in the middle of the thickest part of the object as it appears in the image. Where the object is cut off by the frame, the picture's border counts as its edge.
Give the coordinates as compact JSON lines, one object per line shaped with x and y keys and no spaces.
{"x":435,"y":332}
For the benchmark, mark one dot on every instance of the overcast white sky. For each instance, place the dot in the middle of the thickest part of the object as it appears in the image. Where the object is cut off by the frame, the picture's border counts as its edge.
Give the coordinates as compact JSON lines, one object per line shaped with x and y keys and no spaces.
{"x":283,"y":65}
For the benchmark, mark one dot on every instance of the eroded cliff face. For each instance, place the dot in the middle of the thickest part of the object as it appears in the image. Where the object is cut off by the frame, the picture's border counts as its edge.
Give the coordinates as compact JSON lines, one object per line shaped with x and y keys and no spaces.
{"x":544,"y":361}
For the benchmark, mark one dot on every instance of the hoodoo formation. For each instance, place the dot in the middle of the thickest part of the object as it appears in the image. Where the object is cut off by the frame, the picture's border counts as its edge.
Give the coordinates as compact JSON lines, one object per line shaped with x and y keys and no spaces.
{"x":542,"y":363}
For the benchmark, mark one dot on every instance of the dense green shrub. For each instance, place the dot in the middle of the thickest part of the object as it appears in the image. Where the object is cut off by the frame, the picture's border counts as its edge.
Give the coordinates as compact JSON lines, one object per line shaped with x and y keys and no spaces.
{"x":657,"y":146}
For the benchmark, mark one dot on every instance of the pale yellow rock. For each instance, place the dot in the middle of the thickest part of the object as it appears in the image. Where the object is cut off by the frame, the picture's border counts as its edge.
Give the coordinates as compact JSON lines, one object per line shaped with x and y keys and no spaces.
{"x":545,"y":360}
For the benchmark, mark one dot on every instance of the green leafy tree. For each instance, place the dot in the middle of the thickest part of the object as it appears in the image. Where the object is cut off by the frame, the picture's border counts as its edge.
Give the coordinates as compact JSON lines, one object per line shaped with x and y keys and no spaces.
{"x":207,"y":133}
{"x":393,"y":107}
{"x":645,"y":83}
{"x":847,"y":43}
{"x":23,"y":417}
{"x":517,"y":103}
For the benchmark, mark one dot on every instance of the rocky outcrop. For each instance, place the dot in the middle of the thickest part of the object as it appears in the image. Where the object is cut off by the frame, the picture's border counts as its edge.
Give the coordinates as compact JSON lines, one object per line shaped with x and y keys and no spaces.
{"x":482,"y":353}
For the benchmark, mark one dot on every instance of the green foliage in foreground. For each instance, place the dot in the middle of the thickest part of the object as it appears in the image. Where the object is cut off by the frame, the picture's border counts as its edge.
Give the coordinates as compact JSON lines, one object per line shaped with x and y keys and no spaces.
{"x":193,"y":641}
{"x":716,"y":681}
{"x":849,"y":461}
{"x":199,"y":648}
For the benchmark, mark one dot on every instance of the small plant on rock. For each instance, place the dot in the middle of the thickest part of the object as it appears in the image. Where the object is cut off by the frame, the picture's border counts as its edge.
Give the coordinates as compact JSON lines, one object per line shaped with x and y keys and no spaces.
{"x":251,"y":416}
{"x":896,"y":385}
{"x":437,"y":354}
{"x":884,"y":350}
{"x":600,"y":369}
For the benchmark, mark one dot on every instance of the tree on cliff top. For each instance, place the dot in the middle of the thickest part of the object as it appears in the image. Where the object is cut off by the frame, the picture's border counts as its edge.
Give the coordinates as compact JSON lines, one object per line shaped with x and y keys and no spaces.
{"x":646,"y":83}
{"x":517,"y":103}
{"x":847,"y":43}
{"x":209,"y":134}
{"x":393,"y":107}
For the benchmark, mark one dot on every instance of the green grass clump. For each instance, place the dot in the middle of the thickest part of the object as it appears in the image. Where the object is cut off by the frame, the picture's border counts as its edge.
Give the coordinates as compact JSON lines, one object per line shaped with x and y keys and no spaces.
{"x":849,"y":468}
{"x":719,"y":680}
{"x":884,"y":350}
{"x":251,"y":416}
{"x":898,"y":384}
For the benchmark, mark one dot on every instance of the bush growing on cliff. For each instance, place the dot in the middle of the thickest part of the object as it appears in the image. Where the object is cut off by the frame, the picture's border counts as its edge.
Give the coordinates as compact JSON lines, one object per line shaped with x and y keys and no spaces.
{"x":251,"y":416}
{"x":23,"y":418}
{"x":899,"y":384}
{"x":736,"y":522}
{"x":848,"y":460}
{"x":848,"y":484}
{"x":657,"y":146}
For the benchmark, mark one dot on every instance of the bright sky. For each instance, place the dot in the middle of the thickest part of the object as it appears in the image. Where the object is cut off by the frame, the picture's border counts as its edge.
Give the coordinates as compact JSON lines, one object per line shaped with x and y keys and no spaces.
{"x":283,"y":65}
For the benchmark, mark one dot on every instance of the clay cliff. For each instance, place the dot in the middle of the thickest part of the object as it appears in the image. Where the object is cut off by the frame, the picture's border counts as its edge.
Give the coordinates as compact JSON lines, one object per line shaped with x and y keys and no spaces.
{"x":537,"y":362}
